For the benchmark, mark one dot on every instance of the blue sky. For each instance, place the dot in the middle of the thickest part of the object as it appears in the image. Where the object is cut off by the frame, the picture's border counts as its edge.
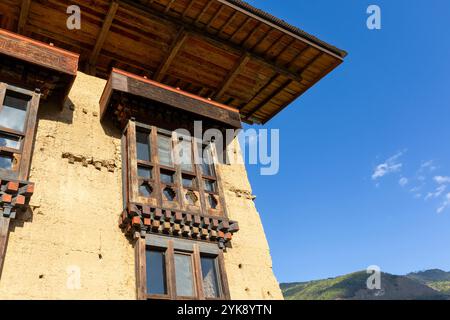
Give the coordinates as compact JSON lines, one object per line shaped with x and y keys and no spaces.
{"x":337,"y":204}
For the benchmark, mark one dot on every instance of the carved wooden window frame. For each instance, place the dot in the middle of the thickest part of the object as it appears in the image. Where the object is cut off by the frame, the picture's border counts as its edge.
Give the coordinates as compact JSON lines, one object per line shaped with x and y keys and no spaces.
{"x":132,"y":181}
{"x":170,"y":247}
{"x":22,"y":156}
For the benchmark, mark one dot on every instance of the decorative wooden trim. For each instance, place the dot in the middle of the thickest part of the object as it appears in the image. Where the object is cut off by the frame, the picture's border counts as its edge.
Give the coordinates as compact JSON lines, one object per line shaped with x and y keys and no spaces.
{"x":143,"y":219}
{"x":103,"y":33}
{"x":121,"y":81}
{"x":38,"y":53}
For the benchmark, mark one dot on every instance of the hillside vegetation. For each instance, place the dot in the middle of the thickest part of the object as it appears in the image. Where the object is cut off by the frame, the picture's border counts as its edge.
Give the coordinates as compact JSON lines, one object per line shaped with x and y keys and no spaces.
{"x":424,"y":285}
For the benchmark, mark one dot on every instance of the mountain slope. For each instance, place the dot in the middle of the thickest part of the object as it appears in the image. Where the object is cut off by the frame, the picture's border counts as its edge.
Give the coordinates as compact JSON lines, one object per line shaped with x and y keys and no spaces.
{"x":434,"y":278}
{"x":353,"y":286}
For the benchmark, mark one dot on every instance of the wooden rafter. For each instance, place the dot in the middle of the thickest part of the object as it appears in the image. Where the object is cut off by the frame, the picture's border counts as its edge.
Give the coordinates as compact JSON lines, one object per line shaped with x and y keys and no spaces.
{"x":232,"y":75}
{"x":251,"y":34}
{"x":274,"y":44}
{"x":285,"y":49}
{"x":241,"y":27}
{"x":185,"y":12}
{"x":214,"y":17}
{"x":280,"y":89}
{"x":298,"y":55}
{"x":217,"y":41}
{"x":169,"y":5}
{"x":264,"y":38}
{"x":200,"y":15}
{"x":172,"y":53}
{"x":324,"y":73}
{"x":229,"y":21}
{"x":103,"y":32}
{"x":24,"y":10}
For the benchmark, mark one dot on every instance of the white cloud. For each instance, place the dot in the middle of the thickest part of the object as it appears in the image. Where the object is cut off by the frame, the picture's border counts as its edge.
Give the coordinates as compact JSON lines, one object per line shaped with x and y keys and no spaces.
{"x":403,"y":181}
{"x":445,"y":204}
{"x":437,"y":193}
{"x":389,"y":166}
{"x":442,"y":180}
{"x":428,"y":164}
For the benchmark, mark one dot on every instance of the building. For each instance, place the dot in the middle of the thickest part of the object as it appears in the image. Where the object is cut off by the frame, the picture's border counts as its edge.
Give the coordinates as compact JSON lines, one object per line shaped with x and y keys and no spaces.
{"x":93,"y":204}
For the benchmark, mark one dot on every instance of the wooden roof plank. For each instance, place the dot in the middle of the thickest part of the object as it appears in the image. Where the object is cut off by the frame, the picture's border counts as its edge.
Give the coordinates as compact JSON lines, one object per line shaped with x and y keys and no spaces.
{"x":103,"y":33}
{"x":232,"y":75}
{"x":24,"y":10}
{"x":173,"y":51}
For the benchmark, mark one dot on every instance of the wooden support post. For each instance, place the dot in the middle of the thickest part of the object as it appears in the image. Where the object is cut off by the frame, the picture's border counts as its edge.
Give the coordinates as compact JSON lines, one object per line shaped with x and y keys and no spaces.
{"x":141,"y":275}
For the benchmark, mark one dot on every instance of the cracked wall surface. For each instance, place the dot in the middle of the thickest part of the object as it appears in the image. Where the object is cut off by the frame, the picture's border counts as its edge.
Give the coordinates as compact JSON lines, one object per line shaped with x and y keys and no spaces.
{"x":69,"y":245}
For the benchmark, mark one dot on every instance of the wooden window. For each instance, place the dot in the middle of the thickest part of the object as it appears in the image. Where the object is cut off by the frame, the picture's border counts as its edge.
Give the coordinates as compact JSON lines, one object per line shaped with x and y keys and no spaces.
{"x":160,"y":171}
{"x":210,"y":276}
{"x":184,"y":275}
{"x":18,"y":111}
{"x":180,"y":269}
{"x":156,"y":272}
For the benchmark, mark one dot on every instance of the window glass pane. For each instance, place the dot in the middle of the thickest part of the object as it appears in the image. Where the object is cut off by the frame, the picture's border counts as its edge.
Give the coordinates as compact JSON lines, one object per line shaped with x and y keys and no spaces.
{"x":169,"y":194}
{"x":207,"y":164}
{"x":14,"y":111}
{"x":185,"y":156}
{"x":9,"y":141}
{"x":209,"y":275}
{"x":6,"y":162}
{"x":166,"y":176}
{"x":156,"y":272}
{"x":145,"y":190}
{"x":165,"y":150}
{"x":142,"y":146}
{"x":210,"y":186}
{"x":188,"y":182}
{"x":183,"y":275}
{"x":144,"y":172}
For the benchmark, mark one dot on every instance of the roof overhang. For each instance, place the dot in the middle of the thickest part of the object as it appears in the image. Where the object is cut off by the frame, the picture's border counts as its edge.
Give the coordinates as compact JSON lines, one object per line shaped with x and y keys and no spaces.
{"x":225,"y":50}
{"x":121,"y":82}
{"x":55,"y":68}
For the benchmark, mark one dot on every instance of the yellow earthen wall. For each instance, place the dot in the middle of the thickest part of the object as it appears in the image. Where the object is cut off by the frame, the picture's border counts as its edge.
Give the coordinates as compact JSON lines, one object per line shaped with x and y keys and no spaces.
{"x":73,"y":225}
